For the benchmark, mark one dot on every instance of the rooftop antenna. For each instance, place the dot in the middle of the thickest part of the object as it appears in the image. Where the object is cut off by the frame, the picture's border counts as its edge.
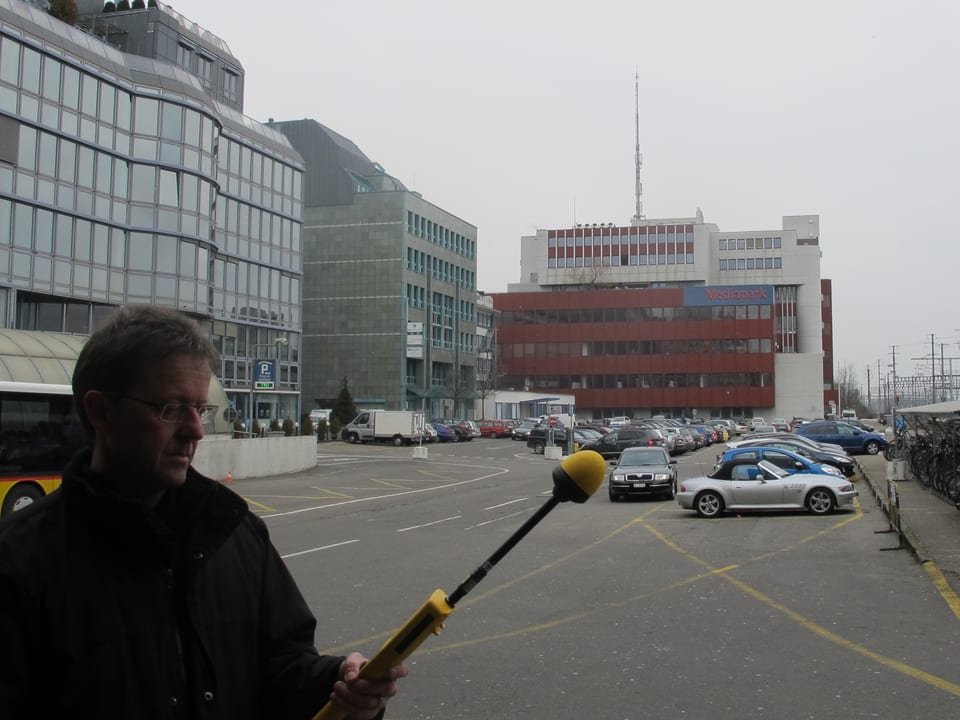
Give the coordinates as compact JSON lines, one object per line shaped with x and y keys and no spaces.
{"x":638,"y":158}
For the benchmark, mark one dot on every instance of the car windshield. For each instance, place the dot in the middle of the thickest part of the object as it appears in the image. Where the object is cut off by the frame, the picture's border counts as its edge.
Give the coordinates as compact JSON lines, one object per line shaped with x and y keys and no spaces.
{"x":770,"y":468}
{"x":643,"y":457}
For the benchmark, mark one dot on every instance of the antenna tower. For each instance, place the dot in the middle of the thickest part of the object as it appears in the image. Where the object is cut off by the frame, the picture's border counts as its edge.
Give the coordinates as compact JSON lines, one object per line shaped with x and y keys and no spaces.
{"x":638,"y":158}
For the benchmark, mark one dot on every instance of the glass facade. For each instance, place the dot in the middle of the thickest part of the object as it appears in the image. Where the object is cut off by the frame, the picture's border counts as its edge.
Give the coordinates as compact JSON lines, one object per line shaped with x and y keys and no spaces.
{"x":115,"y":190}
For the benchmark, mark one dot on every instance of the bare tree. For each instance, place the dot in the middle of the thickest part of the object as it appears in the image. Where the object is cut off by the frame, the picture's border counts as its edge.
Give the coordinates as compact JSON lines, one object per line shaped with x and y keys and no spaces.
{"x":849,"y":390}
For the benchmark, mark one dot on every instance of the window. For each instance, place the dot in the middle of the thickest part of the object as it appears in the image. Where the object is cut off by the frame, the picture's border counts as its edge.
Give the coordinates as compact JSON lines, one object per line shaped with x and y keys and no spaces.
{"x":231,"y":86}
{"x":205,"y":69}
{"x":184,"y":56}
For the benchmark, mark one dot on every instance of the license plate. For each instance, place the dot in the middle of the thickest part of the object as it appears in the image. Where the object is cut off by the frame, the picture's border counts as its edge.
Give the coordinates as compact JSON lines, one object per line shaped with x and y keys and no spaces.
{"x":639,"y":485}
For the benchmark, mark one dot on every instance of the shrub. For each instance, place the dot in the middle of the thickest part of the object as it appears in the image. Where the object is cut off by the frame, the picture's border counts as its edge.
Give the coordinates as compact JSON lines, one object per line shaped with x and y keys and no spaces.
{"x":238,"y":428}
{"x":255,"y":429}
{"x":274,"y":425}
{"x":306,"y":425}
{"x":288,"y":428}
{"x":335,"y":426}
{"x":322,"y":429}
{"x":64,"y":10}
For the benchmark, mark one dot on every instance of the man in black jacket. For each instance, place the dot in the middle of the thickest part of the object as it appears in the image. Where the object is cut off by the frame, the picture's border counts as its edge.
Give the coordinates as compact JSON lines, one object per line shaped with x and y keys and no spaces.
{"x":143,"y":589}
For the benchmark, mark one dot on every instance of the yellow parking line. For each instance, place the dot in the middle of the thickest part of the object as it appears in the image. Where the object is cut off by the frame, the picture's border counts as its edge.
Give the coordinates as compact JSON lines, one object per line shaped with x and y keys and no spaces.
{"x":389,"y":483}
{"x":328,"y":491}
{"x":259,"y":505}
{"x":916,"y":673}
{"x":943,"y":587}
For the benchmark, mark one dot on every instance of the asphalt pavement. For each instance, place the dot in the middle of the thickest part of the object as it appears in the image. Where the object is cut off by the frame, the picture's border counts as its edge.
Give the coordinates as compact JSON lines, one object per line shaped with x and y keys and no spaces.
{"x":922,"y":522}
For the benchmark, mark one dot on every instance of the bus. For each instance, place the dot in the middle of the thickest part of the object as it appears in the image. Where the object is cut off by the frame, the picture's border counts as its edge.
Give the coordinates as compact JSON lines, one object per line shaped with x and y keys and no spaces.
{"x":39,"y":433}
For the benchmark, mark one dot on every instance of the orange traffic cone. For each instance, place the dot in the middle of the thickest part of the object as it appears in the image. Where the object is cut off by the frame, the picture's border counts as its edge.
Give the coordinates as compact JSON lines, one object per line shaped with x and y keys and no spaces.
{"x":229,"y":476}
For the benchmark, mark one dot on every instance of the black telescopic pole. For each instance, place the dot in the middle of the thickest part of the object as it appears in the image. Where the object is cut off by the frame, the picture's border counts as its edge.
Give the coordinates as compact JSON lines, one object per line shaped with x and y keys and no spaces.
{"x":481,"y":572}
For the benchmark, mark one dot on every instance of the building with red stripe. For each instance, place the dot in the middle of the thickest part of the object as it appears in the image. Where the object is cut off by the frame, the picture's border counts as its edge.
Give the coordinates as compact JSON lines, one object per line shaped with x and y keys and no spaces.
{"x":671,"y":317}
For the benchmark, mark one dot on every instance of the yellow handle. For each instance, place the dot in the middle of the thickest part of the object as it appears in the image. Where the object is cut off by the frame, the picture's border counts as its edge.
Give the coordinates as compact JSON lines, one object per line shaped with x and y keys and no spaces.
{"x":425,"y":621}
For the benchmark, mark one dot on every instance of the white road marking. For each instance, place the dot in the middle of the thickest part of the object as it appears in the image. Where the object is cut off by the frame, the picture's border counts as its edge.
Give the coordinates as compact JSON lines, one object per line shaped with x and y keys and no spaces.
{"x":435,"y":522}
{"x":508,"y":502}
{"x":317,"y":549}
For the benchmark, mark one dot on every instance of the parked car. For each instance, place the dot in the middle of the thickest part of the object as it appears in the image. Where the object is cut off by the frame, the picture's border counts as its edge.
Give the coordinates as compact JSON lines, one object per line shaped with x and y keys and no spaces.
{"x":618,"y":421}
{"x":429,"y":433}
{"x":840,"y":460}
{"x":693,"y":436}
{"x":785,"y":459}
{"x":643,"y":471}
{"x":795,"y":437}
{"x":540,"y":437}
{"x":761,"y":430}
{"x":522,"y":430}
{"x":850,"y":438}
{"x":780,"y":424}
{"x":495,"y":428}
{"x":763,"y":486}
{"x":860,"y":424}
{"x":466,"y":429}
{"x":445,"y":433}
{"x":619,"y":439}
{"x":681,"y":443}
{"x":591,"y":434}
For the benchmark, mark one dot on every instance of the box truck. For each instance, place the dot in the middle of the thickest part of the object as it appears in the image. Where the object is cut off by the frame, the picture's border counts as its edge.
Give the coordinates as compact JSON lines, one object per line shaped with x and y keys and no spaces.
{"x":401,"y":427}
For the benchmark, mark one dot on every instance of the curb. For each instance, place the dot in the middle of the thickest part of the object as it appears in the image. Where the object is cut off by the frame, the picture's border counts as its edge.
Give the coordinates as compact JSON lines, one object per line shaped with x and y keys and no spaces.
{"x":908,"y":538}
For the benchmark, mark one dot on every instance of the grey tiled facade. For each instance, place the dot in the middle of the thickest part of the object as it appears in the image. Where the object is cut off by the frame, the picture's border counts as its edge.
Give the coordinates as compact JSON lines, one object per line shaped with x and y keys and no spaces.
{"x":389,"y":295}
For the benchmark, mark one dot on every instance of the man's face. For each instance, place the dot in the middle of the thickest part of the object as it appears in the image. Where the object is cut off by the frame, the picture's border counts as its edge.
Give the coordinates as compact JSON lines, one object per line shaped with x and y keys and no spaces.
{"x":141,"y":453}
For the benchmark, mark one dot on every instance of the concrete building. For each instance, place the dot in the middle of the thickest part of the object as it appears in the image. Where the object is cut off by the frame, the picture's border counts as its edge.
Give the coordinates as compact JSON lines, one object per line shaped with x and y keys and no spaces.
{"x":671,"y":316}
{"x":389,"y":294}
{"x":131,"y":178}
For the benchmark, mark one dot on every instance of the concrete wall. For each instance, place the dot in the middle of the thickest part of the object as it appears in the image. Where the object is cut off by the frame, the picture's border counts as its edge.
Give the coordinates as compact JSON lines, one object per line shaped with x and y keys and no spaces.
{"x":254,"y":457}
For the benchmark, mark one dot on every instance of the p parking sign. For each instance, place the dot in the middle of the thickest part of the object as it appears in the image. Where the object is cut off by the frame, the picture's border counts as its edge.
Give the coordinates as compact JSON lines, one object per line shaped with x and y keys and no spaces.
{"x":265,"y":375}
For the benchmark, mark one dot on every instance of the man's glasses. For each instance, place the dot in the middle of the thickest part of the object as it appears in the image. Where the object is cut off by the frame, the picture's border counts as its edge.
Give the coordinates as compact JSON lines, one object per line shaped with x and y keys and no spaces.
{"x":178,"y":412}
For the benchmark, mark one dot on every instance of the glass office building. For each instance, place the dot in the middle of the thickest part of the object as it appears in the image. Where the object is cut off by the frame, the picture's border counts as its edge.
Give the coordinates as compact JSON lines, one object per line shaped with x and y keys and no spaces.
{"x":128,"y":179}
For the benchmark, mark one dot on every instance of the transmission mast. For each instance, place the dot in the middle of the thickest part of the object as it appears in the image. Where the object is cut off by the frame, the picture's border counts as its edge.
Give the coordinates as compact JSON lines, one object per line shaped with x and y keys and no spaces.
{"x":638,"y":158}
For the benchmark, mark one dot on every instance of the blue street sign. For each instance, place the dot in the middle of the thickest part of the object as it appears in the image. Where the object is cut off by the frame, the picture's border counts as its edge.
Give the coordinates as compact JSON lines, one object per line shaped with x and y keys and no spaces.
{"x":265,"y":375}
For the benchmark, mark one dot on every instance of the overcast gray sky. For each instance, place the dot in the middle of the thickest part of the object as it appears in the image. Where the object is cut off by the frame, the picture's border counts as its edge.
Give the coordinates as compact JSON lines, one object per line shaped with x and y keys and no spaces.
{"x":520,"y":115}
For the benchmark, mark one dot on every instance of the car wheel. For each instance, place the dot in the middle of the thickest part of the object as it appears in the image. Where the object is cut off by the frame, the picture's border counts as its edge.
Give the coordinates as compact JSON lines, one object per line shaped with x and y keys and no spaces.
{"x":353,"y":438}
{"x":820,"y":501}
{"x":614,"y":497}
{"x":19,"y":497}
{"x":397,"y":441}
{"x":670,"y":494}
{"x":538,"y":447}
{"x":709,"y":504}
{"x":872,"y":447}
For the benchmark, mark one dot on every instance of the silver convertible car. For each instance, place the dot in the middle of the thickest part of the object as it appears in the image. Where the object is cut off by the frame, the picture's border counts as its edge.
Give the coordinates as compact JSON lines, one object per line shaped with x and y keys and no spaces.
{"x":763,"y":486}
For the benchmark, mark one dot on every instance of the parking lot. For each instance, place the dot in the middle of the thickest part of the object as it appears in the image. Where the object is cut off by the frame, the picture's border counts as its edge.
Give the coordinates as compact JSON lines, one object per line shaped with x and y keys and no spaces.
{"x":607,"y":607}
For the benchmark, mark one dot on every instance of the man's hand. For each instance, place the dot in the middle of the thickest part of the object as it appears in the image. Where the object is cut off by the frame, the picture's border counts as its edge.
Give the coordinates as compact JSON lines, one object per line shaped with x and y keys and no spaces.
{"x":364,"y":699}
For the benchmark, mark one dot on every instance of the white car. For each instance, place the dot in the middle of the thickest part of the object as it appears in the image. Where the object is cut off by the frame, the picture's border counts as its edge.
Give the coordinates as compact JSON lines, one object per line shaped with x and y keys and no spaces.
{"x":763,"y":486}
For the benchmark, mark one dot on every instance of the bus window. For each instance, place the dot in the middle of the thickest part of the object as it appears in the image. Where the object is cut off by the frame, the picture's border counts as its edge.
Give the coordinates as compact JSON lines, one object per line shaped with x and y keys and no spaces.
{"x":39,"y":433}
